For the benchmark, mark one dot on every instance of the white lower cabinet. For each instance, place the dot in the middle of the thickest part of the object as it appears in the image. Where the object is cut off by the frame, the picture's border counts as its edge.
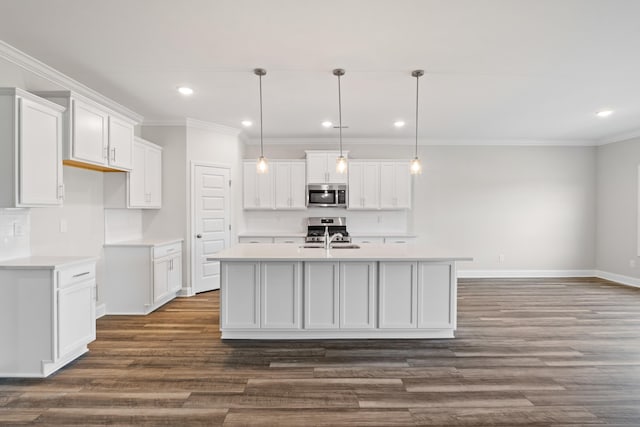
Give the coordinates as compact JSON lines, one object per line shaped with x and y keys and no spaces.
{"x":140,"y":277}
{"x":47,"y":316}
{"x":264,"y":295}
{"x":337,"y":299}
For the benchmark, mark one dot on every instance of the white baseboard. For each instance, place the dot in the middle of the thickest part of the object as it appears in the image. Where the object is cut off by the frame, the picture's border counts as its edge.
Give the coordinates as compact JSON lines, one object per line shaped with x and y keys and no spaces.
{"x":101,"y":310}
{"x":478,"y":274}
{"x":618,"y":278}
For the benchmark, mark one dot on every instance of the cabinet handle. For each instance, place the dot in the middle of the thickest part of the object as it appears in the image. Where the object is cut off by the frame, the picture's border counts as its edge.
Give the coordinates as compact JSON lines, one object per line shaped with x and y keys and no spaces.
{"x":80,"y":274}
{"x":113,"y":153}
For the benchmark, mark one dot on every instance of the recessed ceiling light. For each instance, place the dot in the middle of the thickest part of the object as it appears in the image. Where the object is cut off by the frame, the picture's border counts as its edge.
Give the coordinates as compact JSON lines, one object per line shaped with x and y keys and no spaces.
{"x":185,"y":90}
{"x":604,"y":113}
{"x":398,"y":123}
{"x":247,"y":123}
{"x":327,"y":124}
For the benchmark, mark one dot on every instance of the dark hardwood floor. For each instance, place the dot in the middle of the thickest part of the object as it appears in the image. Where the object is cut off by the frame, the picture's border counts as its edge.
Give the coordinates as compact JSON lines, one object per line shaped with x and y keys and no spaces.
{"x":527,"y":352}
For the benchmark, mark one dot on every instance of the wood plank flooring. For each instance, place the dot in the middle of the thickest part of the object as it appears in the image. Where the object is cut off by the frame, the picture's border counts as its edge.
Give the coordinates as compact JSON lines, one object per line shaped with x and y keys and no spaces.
{"x":527,"y":352}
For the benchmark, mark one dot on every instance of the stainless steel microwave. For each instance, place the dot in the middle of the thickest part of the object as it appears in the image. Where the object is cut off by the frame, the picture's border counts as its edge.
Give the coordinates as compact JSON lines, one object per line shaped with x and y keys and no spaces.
{"x":327,"y":195}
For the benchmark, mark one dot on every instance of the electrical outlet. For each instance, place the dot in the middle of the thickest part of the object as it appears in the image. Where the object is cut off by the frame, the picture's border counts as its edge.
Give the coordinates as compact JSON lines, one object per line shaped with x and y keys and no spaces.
{"x":18,"y":229}
{"x":501,"y":258}
{"x":632,"y":263}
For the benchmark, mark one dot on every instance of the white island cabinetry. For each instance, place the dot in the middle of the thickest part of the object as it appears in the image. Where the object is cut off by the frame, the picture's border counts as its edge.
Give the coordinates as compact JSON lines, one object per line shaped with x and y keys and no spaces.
{"x":142,"y":275}
{"x":282,"y":291}
{"x":47,"y":313}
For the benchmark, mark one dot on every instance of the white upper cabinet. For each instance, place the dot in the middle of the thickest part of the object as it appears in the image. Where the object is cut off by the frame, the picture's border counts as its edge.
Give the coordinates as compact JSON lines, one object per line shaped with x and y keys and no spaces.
{"x":145,"y":180}
{"x":395,"y":185}
{"x":94,"y":136}
{"x":289,"y":184}
{"x":258,"y":187}
{"x":321,"y":168}
{"x":364,"y":185}
{"x":30,"y":150}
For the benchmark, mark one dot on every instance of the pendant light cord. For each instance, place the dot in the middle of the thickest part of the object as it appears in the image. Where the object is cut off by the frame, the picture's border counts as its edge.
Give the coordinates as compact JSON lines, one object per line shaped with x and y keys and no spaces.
{"x":340,"y":113}
{"x":261,"y":145}
{"x":417,"y":88}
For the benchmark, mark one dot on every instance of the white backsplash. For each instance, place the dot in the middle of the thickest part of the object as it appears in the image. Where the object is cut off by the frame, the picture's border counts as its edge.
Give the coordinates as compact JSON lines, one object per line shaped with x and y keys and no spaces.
{"x":375,"y":222}
{"x":15,"y":232}
{"x":122,"y":224}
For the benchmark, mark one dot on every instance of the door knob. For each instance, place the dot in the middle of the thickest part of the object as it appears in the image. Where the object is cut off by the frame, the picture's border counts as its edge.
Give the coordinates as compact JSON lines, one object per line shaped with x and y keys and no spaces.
{"x":199,"y":236}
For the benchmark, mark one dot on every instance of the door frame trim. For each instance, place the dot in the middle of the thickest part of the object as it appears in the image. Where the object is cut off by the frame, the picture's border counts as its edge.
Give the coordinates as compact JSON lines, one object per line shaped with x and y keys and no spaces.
{"x":191,"y":242}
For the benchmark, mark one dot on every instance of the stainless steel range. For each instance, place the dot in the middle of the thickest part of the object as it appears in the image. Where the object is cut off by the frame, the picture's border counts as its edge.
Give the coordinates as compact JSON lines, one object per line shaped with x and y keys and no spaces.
{"x":316,"y":227}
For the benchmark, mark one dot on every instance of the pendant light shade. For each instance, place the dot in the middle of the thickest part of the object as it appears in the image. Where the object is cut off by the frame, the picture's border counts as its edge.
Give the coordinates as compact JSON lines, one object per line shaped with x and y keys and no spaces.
{"x":416,"y":165}
{"x":262,"y":165}
{"x":341,"y":161}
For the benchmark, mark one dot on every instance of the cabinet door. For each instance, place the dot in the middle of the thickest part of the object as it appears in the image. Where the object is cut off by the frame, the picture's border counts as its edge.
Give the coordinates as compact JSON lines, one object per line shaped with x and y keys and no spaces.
{"x":397,"y":295}
{"x":160,"y":279}
{"x":317,"y":168}
{"x":120,"y":143}
{"x":387,"y":185}
{"x":153,"y":177}
{"x":370,"y":185}
{"x":282,"y":190}
{"x":321,"y":295}
{"x":402,"y":185}
{"x":240,"y":294}
{"x":174,"y":277}
{"x":436,"y":295}
{"x":40,"y":162}
{"x":90,"y":141}
{"x":357,"y":295}
{"x":137,"y":188}
{"x":298,"y":186}
{"x":280,"y":293}
{"x":356,"y":198}
{"x":76,"y":317}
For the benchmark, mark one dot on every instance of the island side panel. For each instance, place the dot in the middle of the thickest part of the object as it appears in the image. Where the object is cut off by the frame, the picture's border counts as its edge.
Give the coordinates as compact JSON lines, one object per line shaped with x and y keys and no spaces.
{"x":397,"y":293}
{"x":436,"y":293}
{"x":240,"y":295}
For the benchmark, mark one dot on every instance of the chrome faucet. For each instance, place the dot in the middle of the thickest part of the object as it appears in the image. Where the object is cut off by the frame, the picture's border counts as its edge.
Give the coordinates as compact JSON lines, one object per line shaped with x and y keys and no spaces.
{"x":328,"y":240}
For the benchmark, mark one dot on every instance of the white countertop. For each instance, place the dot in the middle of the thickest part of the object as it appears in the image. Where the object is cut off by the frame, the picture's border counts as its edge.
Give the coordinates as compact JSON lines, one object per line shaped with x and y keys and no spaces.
{"x":145,"y":242}
{"x":304,"y":234}
{"x":366,"y":252}
{"x":44,"y":262}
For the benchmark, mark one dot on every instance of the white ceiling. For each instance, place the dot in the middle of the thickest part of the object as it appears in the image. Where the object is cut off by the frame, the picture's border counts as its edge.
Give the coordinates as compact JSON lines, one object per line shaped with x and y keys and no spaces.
{"x":495,"y":69}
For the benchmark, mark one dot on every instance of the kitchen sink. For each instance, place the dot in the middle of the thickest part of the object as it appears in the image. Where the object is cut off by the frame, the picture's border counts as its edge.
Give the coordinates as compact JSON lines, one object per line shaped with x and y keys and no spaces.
{"x":334,"y":246}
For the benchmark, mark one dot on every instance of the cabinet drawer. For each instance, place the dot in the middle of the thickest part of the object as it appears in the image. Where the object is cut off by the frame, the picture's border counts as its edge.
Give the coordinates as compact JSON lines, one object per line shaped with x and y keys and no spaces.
{"x":76,"y":274}
{"x":164,"y":250}
{"x":294,"y":240}
{"x":246,"y":239}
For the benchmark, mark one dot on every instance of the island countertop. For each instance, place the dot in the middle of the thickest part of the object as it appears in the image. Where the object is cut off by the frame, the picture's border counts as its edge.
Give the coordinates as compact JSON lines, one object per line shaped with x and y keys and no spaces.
{"x":366,"y":252}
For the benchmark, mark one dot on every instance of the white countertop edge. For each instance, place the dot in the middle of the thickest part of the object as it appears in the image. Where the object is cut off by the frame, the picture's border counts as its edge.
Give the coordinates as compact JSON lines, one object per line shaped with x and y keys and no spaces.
{"x":44,"y":262}
{"x":304,"y":234}
{"x":333,"y":257}
{"x":144,"y":242}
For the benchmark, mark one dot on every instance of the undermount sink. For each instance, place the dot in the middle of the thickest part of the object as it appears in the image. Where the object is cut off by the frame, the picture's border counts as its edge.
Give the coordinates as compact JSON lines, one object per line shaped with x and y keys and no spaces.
{"x":334,"y":246}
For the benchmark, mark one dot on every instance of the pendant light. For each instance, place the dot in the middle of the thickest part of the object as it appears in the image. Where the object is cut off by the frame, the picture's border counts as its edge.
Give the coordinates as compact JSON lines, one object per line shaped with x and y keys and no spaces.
{"x":341,"y":162}
{"x":416,"y":166}
{"x":262,"y":165}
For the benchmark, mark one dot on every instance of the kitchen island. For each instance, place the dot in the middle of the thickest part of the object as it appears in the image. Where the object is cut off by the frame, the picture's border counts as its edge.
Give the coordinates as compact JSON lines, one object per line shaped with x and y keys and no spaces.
{"x":286,"y":291}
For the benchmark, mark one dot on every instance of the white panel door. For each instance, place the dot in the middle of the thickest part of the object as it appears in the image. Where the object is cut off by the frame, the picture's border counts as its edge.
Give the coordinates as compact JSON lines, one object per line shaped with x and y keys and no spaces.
{"x":120,"y":143}
{"x":357,"y":295}
{"x":280,"y":295}
{"x":211,"y":224}
{"x":240,"y":298}
{"x":282,"y":186}
{"x":321,"y":295}
{"x":298,"y":185}
{"x":435,"y":295}
{"x":90,"y":141}
{"x":40,"y":155}
{"x":356,"y":198}
{"x":137,"y":177}
{"x":398,"y":295}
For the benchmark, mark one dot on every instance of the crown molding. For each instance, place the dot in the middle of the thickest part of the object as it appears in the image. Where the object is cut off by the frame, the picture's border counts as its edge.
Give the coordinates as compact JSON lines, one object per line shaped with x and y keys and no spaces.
{"x":620,"y":137}
{"x":214,"y":127}
{"x":430,"y":142}
{"x":41,"y":69}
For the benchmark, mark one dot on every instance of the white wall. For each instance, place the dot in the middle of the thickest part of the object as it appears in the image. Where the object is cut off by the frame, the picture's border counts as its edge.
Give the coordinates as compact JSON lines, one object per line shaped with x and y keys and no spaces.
{"x":12,"y":244}
{"x":534,"y":205}
{"x":617,"y":188}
